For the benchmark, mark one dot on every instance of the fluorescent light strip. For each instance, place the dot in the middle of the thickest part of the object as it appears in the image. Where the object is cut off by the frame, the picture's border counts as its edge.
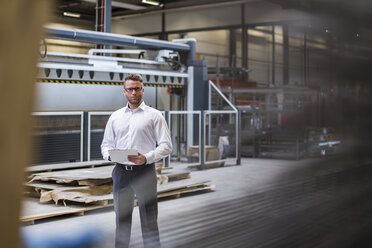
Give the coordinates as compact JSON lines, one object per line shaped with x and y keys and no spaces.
{"x":120,"y":5}
{"x":75,"y":15}
{"x":151,"y":2}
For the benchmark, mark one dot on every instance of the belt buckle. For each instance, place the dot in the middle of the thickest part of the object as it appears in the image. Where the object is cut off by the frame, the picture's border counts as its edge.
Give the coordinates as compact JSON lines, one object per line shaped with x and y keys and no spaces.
{"x":128,"y":168}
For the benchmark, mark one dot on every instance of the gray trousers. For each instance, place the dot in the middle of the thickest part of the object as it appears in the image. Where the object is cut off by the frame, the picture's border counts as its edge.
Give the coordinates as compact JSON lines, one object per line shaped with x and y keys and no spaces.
{"x":141,"y":182}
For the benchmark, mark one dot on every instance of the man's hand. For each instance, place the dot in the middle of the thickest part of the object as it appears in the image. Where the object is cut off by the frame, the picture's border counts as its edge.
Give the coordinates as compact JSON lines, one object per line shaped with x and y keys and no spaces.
{"x":138,"y":160}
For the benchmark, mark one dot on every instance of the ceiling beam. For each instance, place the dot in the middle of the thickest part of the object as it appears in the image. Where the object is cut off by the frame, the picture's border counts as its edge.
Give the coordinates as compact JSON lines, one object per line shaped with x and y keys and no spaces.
{"x":180,"y":5}
{"x":120,"y":5}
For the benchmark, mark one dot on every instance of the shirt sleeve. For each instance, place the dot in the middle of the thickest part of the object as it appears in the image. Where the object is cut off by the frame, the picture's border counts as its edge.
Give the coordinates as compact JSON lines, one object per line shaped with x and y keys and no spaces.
{"x":108,"y":141}
{"x":163,"y":140}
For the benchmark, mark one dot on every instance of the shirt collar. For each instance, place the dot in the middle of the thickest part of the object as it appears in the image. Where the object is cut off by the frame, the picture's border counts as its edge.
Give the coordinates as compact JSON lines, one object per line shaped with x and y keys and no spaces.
{"x":141,"y":106}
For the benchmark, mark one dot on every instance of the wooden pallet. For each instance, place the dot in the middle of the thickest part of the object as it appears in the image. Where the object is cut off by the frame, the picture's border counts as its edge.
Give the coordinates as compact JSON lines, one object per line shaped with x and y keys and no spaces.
{"x":83,"y":187}
{"x":86,"y":176}
{"x":185,"y":192}
{"x":177,"y":176}
{"x":34,"y":210}
{"x":100,"y":195}
{"x":66,"y":166}
{"x":207,"y":166}
{"x":90,"y":176}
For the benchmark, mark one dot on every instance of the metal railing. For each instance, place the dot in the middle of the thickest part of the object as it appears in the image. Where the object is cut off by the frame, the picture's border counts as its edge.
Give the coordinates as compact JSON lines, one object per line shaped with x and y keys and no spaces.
{"x":189,"y":113}
{"x":233,"y":111}
{"x":219,"y":112}
{"x":199,"y":123}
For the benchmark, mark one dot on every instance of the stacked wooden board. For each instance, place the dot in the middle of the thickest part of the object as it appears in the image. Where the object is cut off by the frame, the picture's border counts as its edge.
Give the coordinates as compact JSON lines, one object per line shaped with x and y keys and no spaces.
{"x":87,"y":186}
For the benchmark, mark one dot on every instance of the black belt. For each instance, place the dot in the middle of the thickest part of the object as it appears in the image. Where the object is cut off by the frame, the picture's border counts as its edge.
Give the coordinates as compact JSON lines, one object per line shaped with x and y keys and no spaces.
{"x":132,"y":167}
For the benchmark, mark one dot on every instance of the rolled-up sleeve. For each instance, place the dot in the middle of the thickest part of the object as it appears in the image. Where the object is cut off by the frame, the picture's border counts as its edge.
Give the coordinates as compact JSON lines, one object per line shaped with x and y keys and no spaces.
{"x":163,"y":140}
{"x":108,"y":141}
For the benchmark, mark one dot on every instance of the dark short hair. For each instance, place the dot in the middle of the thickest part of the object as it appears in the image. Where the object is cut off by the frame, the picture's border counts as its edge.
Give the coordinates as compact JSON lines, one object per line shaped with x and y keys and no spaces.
{"x":134,"y":77}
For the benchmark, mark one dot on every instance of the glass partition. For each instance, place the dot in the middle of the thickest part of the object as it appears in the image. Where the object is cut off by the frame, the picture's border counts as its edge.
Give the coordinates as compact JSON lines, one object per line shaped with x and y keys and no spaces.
{"x":58,"y":137}
{"x":96,"y":128}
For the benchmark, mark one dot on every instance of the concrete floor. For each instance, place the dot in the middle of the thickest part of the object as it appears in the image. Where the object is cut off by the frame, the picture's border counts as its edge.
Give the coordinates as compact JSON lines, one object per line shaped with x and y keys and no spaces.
{"x":189,"y":221}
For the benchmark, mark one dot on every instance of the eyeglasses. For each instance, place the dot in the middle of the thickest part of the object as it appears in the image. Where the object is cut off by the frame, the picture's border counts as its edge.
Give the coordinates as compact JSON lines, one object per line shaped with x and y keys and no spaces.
{"x":129,"y":90}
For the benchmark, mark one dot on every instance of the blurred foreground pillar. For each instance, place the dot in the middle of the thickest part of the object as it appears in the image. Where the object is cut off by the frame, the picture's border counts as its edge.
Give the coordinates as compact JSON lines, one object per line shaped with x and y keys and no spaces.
{"x":20,"y":34}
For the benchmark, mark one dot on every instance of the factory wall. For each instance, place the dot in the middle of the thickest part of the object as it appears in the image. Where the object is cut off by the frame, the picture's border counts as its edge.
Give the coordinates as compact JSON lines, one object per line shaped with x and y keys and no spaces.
{"x":323,"y":54}
{"x":305,"y":67}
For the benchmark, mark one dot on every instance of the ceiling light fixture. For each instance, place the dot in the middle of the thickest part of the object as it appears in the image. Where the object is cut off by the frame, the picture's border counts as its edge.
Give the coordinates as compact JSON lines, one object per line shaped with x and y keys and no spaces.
{"x":69,"y":14}
{"x":151,"y":2}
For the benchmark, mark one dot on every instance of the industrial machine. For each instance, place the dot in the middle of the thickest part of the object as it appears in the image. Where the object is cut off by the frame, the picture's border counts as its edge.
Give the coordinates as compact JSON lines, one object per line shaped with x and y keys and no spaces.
{"x":76,"y":93}
{"x":75,"y":82}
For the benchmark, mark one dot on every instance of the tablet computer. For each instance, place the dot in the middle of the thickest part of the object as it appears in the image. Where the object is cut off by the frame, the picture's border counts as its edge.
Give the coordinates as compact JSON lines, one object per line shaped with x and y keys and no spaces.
{"x":120,"y":155}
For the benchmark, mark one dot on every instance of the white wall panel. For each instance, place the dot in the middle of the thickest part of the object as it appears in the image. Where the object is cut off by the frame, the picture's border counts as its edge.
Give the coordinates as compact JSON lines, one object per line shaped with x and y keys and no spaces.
{"x":136,"y":25}
{"x":261,"y":12}
{"x":209,"y":44}
{"x":204,"y":18}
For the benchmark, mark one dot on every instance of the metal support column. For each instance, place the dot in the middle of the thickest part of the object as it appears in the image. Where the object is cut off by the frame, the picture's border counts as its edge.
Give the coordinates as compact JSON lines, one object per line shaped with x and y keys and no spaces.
{"x":163,"y":35}
{"x":233,"y":65}
{"x":85,"y":136}
{"x":305,"y":58}
{"x":232,"y":60}
{"x":103,"y":19}
{"x":198,"y":97}
{"x":273,"y":55}
{"x":166,"y":159}
{"x":239,"y":138}
{"x":107,"y":17}
{"x":218,"y":71}
{"x":285,"y":55}
{"x":244,"y":44}
{"x":200,"y":91}
{"x":232,"y":48}
{"x":202,"y":141}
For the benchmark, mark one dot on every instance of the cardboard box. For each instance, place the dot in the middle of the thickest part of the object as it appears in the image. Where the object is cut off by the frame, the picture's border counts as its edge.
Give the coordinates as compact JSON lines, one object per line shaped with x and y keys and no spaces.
{"x":211,"y":153}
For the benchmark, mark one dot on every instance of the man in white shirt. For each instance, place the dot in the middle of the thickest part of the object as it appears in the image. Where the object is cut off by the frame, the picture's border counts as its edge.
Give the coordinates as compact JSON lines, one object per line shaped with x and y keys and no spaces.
{"x":140,"y":127}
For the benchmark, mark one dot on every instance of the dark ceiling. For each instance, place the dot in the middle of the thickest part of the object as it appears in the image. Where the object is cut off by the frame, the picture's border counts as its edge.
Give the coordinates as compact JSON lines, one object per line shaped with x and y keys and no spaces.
{"x":356,"y":12}
{"x":346,"y":18}
{"x":87,"y":8}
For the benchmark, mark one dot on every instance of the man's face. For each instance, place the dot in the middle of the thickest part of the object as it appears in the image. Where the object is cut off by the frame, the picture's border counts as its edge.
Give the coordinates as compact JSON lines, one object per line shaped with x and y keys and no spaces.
{"x":133,"y":90}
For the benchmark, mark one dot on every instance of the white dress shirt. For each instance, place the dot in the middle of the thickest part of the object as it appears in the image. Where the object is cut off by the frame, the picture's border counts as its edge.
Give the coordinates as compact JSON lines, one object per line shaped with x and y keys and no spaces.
{"x":143,"y":129}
